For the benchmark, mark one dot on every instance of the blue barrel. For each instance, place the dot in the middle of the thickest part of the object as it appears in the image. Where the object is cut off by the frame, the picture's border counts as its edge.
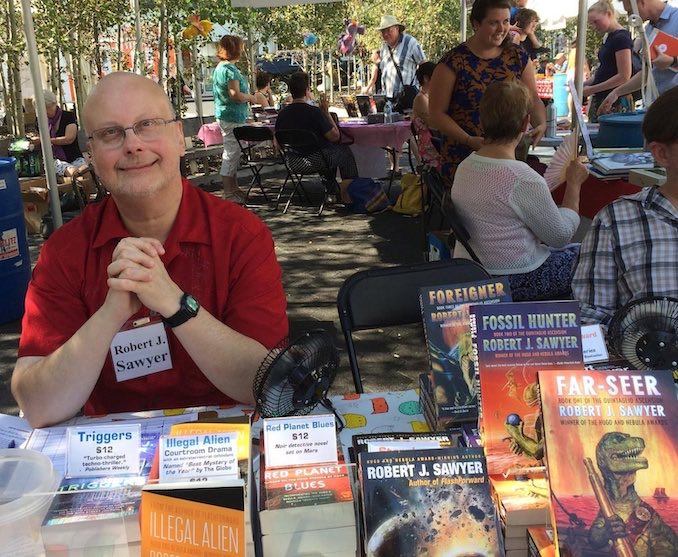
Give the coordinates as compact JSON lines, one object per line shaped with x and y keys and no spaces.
{"x":560,"y":94}
{"x":15,"y":260}
{"x":621,"y":130}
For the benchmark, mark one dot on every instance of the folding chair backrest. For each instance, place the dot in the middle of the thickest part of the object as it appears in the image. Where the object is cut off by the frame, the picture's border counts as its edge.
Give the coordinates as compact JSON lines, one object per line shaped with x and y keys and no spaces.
{"x":253,"y":134}
{"x":390,"y":296}
{"x":301,"y":141}
{"x":441,"y":199}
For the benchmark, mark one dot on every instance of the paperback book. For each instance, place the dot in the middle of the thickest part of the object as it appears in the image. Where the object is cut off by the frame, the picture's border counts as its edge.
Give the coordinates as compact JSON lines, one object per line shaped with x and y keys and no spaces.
{"x":621,"y":163}
{"x":200,"y":518}
{"x":443,"y":439}
{"x":433,"y":502}
{"x":522,"y":502}
{"x":513,"y":341}
{"x":445,"y":314}
{"x":612,"y":453}
{"x":98,"y":512}
{"x":540,"y":542}
{"x":306,"y":498}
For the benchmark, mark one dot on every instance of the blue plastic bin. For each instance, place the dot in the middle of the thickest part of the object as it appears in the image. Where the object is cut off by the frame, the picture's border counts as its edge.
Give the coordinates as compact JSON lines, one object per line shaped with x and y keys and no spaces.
{"x":15,"y":260}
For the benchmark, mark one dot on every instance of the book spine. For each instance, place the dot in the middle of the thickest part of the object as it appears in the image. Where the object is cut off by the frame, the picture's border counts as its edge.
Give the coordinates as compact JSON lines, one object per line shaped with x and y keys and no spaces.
{"x":473,"y":326}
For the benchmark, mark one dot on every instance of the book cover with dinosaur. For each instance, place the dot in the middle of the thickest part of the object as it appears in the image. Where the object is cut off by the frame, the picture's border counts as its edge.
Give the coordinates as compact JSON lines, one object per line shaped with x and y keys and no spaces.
{"x":513,"y":341}
{"x":612,"y":455}
{"x":428,"y":502}
{"x":445,"y":314}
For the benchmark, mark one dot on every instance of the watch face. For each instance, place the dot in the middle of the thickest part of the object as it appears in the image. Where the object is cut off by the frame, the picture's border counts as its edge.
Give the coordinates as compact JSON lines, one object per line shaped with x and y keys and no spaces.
{"x":192,"y":304}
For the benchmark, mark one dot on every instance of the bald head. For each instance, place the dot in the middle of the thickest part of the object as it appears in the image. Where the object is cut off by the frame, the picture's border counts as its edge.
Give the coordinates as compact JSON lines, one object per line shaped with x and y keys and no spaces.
{"x":123,"y":88}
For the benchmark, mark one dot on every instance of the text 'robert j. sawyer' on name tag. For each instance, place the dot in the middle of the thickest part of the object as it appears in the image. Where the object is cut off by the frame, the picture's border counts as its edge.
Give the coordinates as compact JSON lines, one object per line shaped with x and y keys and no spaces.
{"x":107,"y":450}
{"x":300,"y":440}
{"x":198,"y":457}
{"x":140,"y":351}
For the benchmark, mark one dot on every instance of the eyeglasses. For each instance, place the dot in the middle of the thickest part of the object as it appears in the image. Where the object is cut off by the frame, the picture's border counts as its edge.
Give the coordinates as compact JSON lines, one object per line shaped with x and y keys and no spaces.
{"x":113,"y":137}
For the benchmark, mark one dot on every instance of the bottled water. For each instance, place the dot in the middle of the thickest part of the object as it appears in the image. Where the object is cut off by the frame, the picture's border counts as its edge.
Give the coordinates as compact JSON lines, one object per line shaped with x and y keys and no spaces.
{"x":388,"y":112}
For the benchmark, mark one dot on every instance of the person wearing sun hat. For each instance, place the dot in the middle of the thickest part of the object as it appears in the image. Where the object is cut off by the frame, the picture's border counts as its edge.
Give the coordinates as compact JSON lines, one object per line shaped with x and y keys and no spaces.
{"x":401,"y":49}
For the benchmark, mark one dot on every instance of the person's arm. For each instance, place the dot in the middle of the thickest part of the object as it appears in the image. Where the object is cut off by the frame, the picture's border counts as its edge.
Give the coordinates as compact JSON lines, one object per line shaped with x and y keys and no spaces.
{"x":594,"y":282}
{"x":627,"y":88}
{"x":420,"y":108}
{"x":332,"y":134}
{"x":536,"y":43}
{"x":237,"y":95}
{"x":70,"y":135}
{"x":262,"y":99}
{"x":538,"y":110}
{"x":442,"y":87}
{"x":212,"y":345}
{"x":534,"y":205}
{"x":624,"y":67}
{"x":52,"y":388}
{"x":373,"y":80}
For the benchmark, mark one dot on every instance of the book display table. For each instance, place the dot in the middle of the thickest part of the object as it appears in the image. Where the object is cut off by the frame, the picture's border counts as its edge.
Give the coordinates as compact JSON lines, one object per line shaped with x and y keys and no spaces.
{"x":366,"y":413}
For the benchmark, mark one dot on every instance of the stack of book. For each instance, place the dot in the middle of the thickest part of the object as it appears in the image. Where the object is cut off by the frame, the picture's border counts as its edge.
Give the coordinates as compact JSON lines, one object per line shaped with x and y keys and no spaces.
{"x":448,"y":392}
{"x":427,"y":502}
{"x":307,"y":510}
{"x":615,"y":165}
{"x":206,"y":514}
{"x":611,"y":451}
{"x":521,"y":504}
{"x":98,"y":513}
{"x":540,"y":542}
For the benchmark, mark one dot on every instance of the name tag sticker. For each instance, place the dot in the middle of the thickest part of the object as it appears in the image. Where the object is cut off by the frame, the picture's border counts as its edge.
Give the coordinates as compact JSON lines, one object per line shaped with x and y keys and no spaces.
{"x":107,"y":450}
{"x":198,"y":457}
{"x":593,"y":344}
{"x":300,"y":440}
{"x":140,"y":351}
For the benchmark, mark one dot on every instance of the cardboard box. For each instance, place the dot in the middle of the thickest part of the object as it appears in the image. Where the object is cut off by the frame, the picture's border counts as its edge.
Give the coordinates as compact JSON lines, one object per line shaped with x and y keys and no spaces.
{"x":645,"y":178}
{"x":437,"y":245}
{"x":36,"y":204}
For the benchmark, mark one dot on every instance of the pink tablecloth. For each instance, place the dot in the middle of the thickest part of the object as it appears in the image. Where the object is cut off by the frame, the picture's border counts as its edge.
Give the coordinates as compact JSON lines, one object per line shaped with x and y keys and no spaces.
{"x":210,"y":134}
{"x":378,"y":135}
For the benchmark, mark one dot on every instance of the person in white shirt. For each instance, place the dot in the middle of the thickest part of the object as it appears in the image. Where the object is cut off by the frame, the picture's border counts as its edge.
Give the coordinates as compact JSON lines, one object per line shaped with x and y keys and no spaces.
{"x":515,"y":227}
{"x":399,"y":49}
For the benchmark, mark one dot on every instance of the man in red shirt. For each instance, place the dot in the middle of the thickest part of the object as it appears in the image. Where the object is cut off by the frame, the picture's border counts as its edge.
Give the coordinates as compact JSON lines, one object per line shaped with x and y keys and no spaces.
{"x":161,"y":296}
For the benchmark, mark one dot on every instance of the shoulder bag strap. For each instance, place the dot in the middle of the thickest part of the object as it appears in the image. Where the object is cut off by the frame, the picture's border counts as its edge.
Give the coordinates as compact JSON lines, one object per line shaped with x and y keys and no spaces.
{"x":400,"y":75}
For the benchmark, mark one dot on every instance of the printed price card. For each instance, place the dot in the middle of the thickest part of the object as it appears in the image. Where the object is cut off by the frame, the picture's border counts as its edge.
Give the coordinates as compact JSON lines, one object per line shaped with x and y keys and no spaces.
{"x":198,"y":457}
{"x":105,"y":450}
{"x":300,"y":440}
{"x":593,"y":344}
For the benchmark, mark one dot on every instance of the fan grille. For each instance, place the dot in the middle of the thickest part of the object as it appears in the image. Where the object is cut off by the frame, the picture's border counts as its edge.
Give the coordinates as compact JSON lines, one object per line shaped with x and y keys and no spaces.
{"x":645,"y":333}
{"x":294,"y":378}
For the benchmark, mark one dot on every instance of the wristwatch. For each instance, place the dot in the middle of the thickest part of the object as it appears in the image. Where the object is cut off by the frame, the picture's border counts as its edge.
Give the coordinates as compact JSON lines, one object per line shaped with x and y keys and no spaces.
{"x":188,"y":309}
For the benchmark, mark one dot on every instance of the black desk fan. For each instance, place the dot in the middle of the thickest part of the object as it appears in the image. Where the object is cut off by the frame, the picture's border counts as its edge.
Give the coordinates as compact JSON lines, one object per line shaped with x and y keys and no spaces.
{"x":295,"y":377}
{"x":645,"y":333}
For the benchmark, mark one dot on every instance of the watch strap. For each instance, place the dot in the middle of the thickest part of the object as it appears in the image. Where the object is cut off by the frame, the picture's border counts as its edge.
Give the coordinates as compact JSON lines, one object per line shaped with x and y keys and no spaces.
{"x":188,"y":308}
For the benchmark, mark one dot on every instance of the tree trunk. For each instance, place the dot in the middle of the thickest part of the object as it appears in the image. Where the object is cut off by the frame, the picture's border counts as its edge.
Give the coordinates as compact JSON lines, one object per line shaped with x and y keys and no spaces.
{"x":9,"y":105}
{"x":14,"y":72}
{"x":120,"y":53}
{"x":162,"y":43}
{"x":97,"y":49}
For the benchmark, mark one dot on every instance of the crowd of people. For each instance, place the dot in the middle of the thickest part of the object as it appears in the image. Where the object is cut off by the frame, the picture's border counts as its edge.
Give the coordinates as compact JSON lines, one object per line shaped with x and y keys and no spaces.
{"x":165,"y":296}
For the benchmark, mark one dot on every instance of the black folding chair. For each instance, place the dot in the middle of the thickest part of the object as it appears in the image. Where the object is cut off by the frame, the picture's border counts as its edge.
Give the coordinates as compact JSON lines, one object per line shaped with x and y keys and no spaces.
{"x":252,"y":141}
{"x":390,"y":296}
{"x":440,"y":204}
{"x":303,"y":156}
